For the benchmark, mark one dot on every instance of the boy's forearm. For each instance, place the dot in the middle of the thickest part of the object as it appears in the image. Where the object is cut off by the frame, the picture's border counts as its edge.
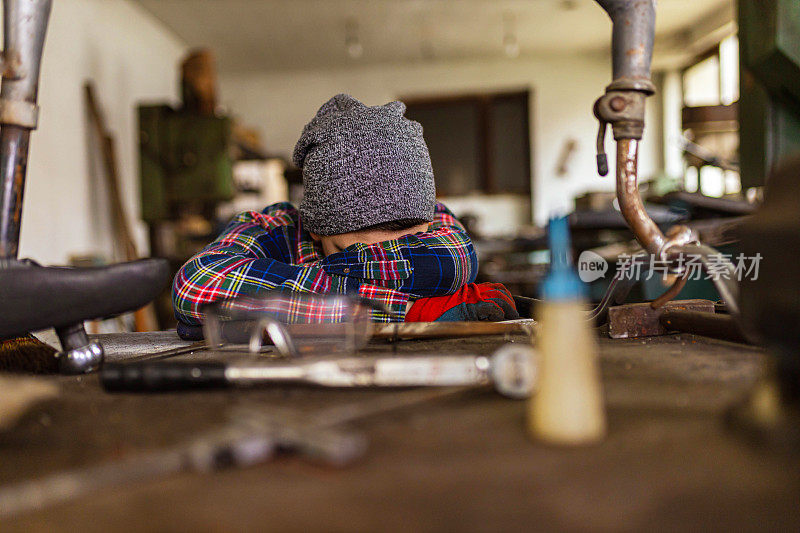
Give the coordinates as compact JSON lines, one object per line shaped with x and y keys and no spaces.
{"x":387,"y":274}
{"x":208,"y":279}
{"x":450,"y":263}
{"x":461,"y":262}
{"x":428,"y":264}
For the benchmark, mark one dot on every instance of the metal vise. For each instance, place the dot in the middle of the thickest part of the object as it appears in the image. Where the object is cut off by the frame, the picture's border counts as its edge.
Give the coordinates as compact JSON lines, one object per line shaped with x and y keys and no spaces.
{"x":35,"y":297}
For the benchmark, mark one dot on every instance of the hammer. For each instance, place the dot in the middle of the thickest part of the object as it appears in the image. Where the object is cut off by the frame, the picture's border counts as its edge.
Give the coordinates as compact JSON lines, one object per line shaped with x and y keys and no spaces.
{"x":686,"y":316}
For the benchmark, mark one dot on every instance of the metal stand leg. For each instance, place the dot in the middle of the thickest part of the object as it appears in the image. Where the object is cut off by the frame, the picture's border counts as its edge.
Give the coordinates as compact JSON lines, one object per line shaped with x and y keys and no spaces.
{"x":79,"y":355}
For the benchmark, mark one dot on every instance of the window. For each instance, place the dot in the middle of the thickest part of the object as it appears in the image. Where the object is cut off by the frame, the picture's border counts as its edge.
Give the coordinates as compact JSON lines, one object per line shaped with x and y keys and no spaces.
{"x":478,"y":143}
{"x":710,"y":120}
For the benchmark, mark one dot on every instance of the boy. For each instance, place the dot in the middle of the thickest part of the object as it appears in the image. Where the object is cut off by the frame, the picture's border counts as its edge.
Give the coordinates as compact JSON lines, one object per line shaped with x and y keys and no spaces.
{"x":368,"y":225}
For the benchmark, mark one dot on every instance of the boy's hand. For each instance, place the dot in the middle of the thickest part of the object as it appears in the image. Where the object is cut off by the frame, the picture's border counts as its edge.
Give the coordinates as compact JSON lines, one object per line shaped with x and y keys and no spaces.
{"x":475,"y":301}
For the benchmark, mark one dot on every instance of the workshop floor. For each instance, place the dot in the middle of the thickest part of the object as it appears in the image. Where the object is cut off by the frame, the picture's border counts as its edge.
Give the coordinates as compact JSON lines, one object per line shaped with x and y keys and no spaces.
{"x":455,"y":464}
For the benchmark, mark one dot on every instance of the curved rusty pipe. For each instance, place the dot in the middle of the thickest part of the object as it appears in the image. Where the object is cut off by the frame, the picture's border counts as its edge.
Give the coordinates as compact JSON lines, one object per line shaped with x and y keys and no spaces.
{"x":630,"y":204}
{"x":623,"y":107}
{"x":679,"y":239}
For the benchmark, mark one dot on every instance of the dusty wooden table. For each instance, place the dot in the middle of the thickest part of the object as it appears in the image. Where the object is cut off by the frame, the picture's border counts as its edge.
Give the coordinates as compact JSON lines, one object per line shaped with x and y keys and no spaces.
{"x":462,"y":463}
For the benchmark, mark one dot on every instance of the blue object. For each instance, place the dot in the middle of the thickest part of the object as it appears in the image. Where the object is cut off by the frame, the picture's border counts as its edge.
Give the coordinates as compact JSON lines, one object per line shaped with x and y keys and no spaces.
{"x":562,"y":282}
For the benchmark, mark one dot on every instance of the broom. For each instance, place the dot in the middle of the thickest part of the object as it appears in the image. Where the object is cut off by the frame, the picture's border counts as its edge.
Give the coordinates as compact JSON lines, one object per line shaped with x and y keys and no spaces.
{"x":27,"y":354}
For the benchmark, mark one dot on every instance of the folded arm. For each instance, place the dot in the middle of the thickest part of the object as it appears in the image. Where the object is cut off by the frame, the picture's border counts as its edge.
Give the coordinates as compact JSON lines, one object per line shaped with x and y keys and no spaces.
{"x":235,"y":264}
{"x":433,"y":263}
{"x":253,"y":256}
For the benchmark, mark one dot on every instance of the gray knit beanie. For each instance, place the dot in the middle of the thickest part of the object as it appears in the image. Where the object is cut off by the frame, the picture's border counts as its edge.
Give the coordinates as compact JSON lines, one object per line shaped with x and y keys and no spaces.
{"x":363,"y":166}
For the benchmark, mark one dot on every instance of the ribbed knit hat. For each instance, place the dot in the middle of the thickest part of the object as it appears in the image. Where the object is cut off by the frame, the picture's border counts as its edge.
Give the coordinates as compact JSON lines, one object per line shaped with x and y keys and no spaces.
{"x":363,"y":166}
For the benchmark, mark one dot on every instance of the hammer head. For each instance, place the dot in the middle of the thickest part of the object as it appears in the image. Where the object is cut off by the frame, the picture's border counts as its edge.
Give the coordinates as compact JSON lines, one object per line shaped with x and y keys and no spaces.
{"x":640,"y":320}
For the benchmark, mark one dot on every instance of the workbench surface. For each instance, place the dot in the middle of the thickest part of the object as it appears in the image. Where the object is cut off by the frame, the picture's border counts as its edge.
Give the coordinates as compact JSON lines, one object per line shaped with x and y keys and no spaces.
{"x":459,"y":463}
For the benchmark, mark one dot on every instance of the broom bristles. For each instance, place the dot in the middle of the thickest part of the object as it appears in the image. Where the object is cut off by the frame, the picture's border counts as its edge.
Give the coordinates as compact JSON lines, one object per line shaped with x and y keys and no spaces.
{"x":27,"y":354}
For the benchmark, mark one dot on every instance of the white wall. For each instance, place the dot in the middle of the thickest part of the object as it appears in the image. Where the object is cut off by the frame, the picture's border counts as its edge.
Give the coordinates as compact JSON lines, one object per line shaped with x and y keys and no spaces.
{"x":672,"y":99}
{"x":130,"y":57}
{"x":563,"y":92}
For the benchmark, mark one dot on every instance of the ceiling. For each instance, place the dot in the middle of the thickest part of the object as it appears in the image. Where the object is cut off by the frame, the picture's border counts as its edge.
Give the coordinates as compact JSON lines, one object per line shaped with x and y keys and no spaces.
{"x":268,"y":35}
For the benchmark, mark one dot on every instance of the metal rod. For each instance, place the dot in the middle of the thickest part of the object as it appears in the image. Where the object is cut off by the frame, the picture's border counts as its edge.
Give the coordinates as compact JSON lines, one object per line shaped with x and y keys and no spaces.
{"x":670,"y":293}
{"x":631,"y":42}
{"x":13,"y":165}
{"x":725,"y":282}
{"x":511,"y":369}
{"x":630,"y":203}
{"x":24,"y":28}
{"x":712,"y":325}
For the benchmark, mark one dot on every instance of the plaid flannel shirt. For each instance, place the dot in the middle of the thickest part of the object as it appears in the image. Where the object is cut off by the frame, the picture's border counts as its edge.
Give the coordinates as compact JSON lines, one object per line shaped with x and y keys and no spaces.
{"x":271,"y":251}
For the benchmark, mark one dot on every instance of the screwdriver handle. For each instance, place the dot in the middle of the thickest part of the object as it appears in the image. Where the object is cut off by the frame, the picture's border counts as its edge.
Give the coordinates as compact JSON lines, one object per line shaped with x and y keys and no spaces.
{"x":161,"y":376}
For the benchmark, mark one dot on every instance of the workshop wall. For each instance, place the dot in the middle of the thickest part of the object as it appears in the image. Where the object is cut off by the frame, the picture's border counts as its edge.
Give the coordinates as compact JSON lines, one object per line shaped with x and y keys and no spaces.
{"x":131,"y":57}
{"x":563,"y":90}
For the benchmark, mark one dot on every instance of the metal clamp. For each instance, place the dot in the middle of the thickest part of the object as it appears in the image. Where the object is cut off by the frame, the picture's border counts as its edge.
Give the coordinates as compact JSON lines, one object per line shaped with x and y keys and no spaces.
{"x":19,"y":113}
{"x":11,"y":65}
{"x":624,"y":110}
{"x":277,"y":333}
{"x":677,"y":236}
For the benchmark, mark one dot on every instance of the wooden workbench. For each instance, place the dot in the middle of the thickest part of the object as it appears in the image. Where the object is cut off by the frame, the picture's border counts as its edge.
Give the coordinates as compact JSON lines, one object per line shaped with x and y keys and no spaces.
{"x":461,"y":463}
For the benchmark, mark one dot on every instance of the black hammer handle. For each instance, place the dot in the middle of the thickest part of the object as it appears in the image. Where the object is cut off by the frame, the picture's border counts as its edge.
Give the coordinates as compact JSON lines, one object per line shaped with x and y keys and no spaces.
{"x":161,"y":376}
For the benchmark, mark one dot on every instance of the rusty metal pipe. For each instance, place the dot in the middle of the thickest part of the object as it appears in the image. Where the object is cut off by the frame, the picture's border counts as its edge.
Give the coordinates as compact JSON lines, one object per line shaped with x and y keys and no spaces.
{"x":716,"y":326}
{"x":630,"y":204}
{"x":680,"y":240}
{"x":24,"y":28}
{"x":631,"y":43}
{"x":623,"y":107}
{"x":671,"y":293}
{"x":13,"y":164}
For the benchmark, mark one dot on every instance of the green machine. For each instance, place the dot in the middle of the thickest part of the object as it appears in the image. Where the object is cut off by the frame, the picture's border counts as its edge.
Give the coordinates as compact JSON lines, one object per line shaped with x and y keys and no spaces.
{"x":769,"y":40}
{"x":184,"y":161}
{"x":186,"y":169}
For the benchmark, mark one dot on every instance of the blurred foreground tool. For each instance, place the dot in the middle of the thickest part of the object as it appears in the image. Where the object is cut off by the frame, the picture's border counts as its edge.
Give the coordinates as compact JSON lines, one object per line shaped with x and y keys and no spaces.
{"x":630,"y":321}
{"x":252,"y":436}
{"x":568,"y":408}
{"x":511,"y":370}
{"x":35,"y":297}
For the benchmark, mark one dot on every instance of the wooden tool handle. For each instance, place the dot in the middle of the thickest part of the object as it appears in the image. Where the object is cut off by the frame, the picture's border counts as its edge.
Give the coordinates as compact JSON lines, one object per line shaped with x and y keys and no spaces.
{"x":430,"y":330}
